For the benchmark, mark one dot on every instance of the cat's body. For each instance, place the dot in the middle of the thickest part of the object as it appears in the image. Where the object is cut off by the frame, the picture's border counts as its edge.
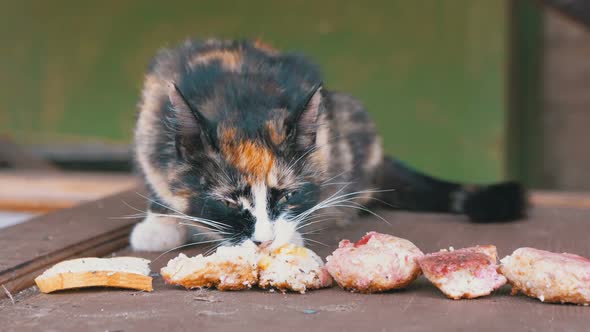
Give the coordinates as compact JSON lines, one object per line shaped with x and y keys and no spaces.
{"x":246,"y":142}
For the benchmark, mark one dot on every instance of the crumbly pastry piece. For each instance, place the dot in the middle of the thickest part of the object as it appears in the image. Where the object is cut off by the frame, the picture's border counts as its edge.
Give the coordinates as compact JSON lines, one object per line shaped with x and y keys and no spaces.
{"x":548,"y":276}
{"x":376,"y":263}
{"x":464,"y":273}
{"x":292,"y":268}
{"x":120,"y":272}
{"x":229,"y":268}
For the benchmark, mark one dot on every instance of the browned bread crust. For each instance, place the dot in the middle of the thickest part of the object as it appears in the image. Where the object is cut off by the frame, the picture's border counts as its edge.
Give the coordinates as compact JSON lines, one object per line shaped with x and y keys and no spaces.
{"x":71,"y":280}
{"x":210,"y":277}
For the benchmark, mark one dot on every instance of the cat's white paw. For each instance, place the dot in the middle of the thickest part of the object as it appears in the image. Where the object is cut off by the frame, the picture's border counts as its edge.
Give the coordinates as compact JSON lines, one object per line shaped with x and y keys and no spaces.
{"x":156,"y":233}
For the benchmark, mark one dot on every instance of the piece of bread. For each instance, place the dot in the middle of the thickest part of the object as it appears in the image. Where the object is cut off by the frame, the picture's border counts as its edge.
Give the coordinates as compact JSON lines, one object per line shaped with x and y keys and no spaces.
{"x":120,"y":272}
{"x":376,"y":263}
{"x":229,"y":268}
{"x":464,"y":273}
{"x":548,"y":276}
{"x":292,"y":268}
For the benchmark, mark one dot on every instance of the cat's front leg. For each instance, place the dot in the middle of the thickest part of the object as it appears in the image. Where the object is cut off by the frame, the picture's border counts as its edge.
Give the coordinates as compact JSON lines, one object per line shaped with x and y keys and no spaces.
{"x":158,"y":233}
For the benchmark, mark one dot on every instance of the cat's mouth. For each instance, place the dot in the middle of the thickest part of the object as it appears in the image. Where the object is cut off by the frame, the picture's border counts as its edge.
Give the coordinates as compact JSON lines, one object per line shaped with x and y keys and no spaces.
{"x":264,"y":245}
{"x":276,"y":234}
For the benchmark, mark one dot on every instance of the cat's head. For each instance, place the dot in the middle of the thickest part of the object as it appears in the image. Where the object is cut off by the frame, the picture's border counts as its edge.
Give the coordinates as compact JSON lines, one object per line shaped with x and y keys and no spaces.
{"x":249,"y":164}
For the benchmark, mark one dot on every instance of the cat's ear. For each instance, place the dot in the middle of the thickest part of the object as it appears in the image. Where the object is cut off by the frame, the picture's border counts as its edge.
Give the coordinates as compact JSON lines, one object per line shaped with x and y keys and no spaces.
{"x":192,"y":128}
{"x":304,"y":122}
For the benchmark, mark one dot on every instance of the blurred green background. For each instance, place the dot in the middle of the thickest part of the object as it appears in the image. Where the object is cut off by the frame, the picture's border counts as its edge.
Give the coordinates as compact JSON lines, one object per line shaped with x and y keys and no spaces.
{"x":433,"y":73}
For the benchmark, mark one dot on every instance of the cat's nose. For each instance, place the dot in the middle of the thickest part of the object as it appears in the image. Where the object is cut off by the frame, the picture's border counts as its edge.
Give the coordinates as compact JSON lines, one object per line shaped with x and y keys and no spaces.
{"x":262,"y":244}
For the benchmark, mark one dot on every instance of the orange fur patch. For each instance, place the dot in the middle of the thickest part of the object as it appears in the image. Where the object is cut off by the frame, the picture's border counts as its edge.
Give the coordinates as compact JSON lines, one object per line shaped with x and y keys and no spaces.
{"x":277,"y":134}
{"x":259,"y":44}
{"x":183,"y":193}
{"x":247,"y":156}
{"x":230,"y":60}
{"x":228,"y":136}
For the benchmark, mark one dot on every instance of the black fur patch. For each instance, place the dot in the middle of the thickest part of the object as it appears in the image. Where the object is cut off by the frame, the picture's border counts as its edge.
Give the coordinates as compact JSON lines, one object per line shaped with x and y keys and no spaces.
{"x":499,"y":202}
{"x":232,"y":97}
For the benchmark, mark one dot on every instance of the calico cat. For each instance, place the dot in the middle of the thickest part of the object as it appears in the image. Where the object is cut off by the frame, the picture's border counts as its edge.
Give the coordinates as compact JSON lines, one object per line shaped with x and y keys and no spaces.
{"x":243,"y":142}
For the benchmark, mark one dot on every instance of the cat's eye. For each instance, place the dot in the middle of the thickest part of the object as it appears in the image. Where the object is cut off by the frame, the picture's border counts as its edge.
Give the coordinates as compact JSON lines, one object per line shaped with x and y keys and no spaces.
{"x":286,"y":197}
{"x":230,"y":204}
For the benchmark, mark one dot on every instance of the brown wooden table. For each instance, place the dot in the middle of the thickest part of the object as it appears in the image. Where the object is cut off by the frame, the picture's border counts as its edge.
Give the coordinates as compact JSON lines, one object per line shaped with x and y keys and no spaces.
{"x":560,"y":222}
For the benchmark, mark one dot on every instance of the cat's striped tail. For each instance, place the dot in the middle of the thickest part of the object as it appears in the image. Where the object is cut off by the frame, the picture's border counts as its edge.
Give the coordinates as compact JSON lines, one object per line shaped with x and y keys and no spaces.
{"x":419,"y":192}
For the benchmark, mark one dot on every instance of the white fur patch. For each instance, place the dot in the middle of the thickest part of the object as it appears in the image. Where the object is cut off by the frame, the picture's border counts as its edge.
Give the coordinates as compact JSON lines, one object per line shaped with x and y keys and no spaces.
{"x":156,"y":233}
{"x":285,"y":232}
{"x":263,"y":230}
{"x":280,"y":231}
{"x":458,"y":200}
{"x":246,"y":204}
{"x":375,"y":156}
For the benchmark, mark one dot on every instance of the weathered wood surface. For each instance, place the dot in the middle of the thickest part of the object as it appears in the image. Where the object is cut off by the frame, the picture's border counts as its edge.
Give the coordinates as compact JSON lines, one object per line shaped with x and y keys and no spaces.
{"x":93,"y":229}
{"x":43,"y":192}
{"x":576,"y":10}
{"x":16,"y":156}
{"x":420,"y":307}
{"x":558,"y":199}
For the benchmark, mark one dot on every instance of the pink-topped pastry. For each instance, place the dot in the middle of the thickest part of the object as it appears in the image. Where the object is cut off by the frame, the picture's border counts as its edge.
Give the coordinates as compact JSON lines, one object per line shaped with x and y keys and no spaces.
{"x":464,"y":273}
{"x":376,"y":263}
{"x":548,"y":276}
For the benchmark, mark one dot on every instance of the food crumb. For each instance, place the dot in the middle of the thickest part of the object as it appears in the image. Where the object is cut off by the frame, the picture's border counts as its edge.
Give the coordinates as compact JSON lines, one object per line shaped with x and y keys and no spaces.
{"x":209,"y":299}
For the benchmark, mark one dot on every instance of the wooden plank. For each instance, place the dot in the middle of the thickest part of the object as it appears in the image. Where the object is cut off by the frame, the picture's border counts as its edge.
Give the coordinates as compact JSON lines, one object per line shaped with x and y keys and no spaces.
{"x":421,"y":307}
{"x":576,"y":10}
{"x":43,"y":192}
{"x":17,"y":157}
{"x":566,"y":103}
{"x":560,"y":199}
{"x":13,"y":218}
{"x":24,"y":279}
{"x":96,"y":229}
{"x":92,"y":229}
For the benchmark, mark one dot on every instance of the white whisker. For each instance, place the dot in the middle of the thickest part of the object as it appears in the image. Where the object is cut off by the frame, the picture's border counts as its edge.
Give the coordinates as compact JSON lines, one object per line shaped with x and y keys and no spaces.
{"x":315,"y":241}
{"x":131,"y":216}
{"x":315,"y":231}
{"x":334,"y":177}
{"x":199,"y":219}
{"x":302,"y":225}
{"x":314,"y":148}
{"x":212,"y":230}
{"x":187,"y":245}
{"x":361,"y":208}
{"x":317,"y":206}
{"x":133,"y":208}
{"x":227,"y":241}
{"x":210,"y":233}
{"x":194,"y":220}
{"x":339,"y":200}
{"x":335,"y":184}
